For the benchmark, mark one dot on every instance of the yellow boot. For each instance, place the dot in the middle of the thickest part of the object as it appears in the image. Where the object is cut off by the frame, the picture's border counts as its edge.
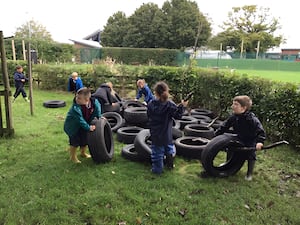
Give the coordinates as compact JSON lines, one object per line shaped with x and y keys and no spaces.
{"x":83,"y":152}
{"x":73,"y":155}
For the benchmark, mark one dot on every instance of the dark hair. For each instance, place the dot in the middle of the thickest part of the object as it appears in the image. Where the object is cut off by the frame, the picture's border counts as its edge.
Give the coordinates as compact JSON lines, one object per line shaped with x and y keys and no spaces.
{"x":84,"y":92}
{"x":162,"y":90}
{"x":244,"y":100}
{"x":18,"y":67}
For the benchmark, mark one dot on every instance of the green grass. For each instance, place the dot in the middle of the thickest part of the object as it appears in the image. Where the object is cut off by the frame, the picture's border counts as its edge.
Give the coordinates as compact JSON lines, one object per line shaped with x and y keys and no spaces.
{"x":40,"y":185}
{"x":282,"y":76}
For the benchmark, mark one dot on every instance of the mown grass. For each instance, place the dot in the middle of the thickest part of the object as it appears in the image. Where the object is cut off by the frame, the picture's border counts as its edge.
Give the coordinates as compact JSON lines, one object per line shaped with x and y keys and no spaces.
{"x":40,"y":185}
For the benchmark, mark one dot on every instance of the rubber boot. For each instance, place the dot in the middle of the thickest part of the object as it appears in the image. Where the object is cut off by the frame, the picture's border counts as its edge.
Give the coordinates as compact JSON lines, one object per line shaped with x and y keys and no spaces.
{"x":169,"y":161}
{"x":83,"y":152}
{"x":251,"y":164}
{"x":73,"y":155}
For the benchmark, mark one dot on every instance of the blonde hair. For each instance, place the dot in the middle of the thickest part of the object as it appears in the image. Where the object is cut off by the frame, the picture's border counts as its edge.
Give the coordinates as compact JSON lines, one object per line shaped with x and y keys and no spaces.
{"x":112,"y":91}
{"x":244,"y":100}
{"x":140,"y":81}
{"x":74,"y":74}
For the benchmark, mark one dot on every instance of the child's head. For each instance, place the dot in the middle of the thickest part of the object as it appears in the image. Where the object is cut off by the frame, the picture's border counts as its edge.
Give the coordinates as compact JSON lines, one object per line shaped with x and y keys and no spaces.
{"x":19,"y":68}
{"x":109,"y":84}
{"x":74,"y":75}
{"x":83,"y":96}
{"x":241,"y":104}
{"x":161,"y":90}
{"x":141,"y":83}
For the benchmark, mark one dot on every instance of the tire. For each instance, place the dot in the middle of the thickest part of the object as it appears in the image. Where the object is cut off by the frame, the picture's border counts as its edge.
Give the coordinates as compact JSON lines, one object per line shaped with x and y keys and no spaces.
{"x":142,"y":145}
{"x":54,"y":104}
{"x":202,"y":118}
{"x":100,"y":142}
{"x":115,"y":120}
{"x":132,"y":103}
{"x":205,"y":112}
{"x":127,"y":134}
{"x":215,"y":125}
{"x":233,"y":160}
{"x":190,"y":147}
{"x":176,"y":133}
{"x":136,"y":115}
{"x":198,"y":130}
{"x":186,"y":120}
{"x":111,"y":108}
{"x":129,"y":152}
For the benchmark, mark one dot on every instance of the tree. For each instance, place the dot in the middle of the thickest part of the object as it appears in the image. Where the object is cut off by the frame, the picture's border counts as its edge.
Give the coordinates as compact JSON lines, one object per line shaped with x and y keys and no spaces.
{"x":250,"y":24}
{"x":115,"y":30}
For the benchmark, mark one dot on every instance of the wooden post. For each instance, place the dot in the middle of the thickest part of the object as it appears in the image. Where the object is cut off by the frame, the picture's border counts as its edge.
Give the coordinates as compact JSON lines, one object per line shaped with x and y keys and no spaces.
{"x":30,"y":77}
{"x":24,"y":50}
{"x":242,"y":48}
{"x":13,"y":49}
{"x":6,"y":92}
{"x":257,"y":49}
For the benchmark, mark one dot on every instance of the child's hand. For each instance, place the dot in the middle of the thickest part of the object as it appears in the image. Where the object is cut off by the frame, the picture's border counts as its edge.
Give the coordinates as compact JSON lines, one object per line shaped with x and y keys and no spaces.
{"x":23,"y":80}
{"x":184,"y":103}
{"x":259,"y":146}
{"x":92,"y":127}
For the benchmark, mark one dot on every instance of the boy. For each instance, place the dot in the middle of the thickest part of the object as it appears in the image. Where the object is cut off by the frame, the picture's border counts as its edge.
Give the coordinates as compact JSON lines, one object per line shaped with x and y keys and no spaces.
{"x":77,"y":123}
{"x":161,"y":112}
{"x":248,"y":128}
{"x":20,"y":80}
{"x":143,"y":89}
{"x":74,"y":83}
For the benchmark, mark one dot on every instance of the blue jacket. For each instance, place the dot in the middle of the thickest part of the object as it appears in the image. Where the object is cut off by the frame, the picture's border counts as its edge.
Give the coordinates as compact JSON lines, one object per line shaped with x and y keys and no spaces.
{"x":18,"y":77}
{"x":75,"y":120}
{"x":160,"y":115}
{"x":146,"y":91}
{"x":78,"y":84}
{"x":247,"y":127}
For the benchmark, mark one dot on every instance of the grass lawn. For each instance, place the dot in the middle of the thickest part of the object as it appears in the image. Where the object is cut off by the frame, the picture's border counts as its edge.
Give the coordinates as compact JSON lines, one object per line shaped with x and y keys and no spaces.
{"x":283,"y":76}
{"x":40,"y":185}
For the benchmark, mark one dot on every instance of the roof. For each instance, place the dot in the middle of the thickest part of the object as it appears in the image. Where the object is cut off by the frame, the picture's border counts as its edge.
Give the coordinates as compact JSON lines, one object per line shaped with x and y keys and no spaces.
{"x":95,"y":36}
{"x":88,"y":43}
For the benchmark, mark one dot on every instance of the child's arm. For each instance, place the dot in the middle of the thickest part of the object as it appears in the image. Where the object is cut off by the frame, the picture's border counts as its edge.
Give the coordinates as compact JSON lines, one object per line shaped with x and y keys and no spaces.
{"x":139,"y":94}
{"x":225,"y":126}
{"x":260,"y":134}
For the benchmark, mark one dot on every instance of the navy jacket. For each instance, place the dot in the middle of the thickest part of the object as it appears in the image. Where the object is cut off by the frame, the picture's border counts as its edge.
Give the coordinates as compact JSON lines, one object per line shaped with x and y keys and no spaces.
{"x":160,"y":115}
{"x":18,"y":77}
{"x":146,"y":91}
{"x":103,"y":94}
{"x":247,"y":127}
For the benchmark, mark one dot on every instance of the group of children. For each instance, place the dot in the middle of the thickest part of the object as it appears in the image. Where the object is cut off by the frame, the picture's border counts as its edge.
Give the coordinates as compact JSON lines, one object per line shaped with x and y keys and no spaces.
{"x":161,"y":111}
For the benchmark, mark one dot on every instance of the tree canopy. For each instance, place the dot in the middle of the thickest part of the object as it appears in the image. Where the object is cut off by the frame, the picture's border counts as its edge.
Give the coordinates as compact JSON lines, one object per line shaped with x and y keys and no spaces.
{"x":249,"y":25}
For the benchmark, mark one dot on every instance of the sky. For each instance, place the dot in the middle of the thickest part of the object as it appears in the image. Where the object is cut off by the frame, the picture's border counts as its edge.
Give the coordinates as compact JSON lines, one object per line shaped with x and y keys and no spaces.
{"x":74,"y":20}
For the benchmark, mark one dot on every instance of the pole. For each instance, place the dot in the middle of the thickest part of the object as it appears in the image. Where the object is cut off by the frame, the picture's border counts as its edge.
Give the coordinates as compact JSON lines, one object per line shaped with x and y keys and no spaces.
{"x":13,"y":49}
{"x":24,"y":50}
{"x":242,"y":48}
{"x":257,"y":49}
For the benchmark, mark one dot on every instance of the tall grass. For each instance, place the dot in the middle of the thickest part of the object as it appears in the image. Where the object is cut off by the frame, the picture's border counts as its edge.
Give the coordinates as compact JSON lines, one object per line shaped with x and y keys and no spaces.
{"x":40,"y":185}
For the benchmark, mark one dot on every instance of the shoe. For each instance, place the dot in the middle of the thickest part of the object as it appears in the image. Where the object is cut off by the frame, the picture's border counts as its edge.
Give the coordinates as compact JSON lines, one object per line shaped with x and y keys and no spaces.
{"x":248,"y":177}
{"x":13,"y":99}
{"x":26,"y":99}
{"x":170,"y":161}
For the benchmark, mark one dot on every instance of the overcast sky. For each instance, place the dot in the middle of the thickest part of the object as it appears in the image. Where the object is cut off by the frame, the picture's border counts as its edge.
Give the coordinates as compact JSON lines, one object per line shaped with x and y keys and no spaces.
{"x":76,"y":19}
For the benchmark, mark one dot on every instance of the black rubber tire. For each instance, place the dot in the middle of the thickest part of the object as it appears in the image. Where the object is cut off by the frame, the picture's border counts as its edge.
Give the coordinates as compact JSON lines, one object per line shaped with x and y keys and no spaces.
{"x":100,"y":141}
{"x":187,"y":120}
{"x":176,"y":133}
{"x":115,"y":120}
{"x":127,"y":134}
{"x":215,"y":125}
{"x":190,"y":147}
{"x":142,"y":146}
{"x":199,"y":111}
{"x":111,"y":108}
{"x":202,"y":118}
{"x":233,"y":162}
{"x":129,"y":152}
{"x":198,"y":130}
{"x":54,"y":104}
{"x":136,"y":115}
{"x":132,"y":103}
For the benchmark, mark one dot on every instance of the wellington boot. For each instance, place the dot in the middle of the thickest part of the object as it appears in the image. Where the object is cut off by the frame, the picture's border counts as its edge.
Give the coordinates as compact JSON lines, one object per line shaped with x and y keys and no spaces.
{"x":73,"y":155}
{"x":83,"y":153}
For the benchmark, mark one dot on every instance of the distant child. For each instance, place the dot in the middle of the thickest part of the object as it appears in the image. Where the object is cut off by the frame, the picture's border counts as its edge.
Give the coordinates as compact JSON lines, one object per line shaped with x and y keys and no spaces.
{"x":161,"y":112}
{"x":248,"y":128}
{"x":77,"y":123}
{"x":143,"y":89}
{"x":20,"y":80}
{"x":74,"y":82}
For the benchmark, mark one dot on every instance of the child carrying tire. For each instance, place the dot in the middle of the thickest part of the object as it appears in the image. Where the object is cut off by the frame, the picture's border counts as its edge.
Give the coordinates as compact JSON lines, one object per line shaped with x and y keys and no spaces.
{"x":77,"y":122}
{"x":161,"y":112}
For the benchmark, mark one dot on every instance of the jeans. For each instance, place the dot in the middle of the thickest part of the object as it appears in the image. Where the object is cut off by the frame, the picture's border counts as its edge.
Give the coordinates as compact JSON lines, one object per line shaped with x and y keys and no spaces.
{"x":157,"y":156}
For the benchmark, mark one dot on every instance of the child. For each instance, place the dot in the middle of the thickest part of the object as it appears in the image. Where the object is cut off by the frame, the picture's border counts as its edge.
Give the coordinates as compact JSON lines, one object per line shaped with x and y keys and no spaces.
{"x":248,"y":128}
{"x":160,"y":112}
{"x":77,"y":123}
{"x":20,"y":80}
{"x":143,"y":89}
{"x":74,"y":83}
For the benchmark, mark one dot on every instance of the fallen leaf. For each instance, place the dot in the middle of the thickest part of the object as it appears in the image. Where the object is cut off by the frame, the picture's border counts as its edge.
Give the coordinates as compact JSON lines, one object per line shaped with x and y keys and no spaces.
{"x":182,"y":212}
{"x":270,"y":204}
{"x":122,"y":223}
{"x":147,"y":214}
{"x":139,"y":220}
{"x":113,"y":172}
{"x":247,"y":206}
{"x":298,"y":194}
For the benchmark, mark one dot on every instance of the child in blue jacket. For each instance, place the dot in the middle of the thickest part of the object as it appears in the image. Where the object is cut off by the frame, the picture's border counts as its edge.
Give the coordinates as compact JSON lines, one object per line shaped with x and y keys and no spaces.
{"x":20,"y":80}
{"x":143,"y":89}
{"x":161,"y":112}
{"x":74,"y":82}
{"x":248,"y":128}
{"x":77,"y":122}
